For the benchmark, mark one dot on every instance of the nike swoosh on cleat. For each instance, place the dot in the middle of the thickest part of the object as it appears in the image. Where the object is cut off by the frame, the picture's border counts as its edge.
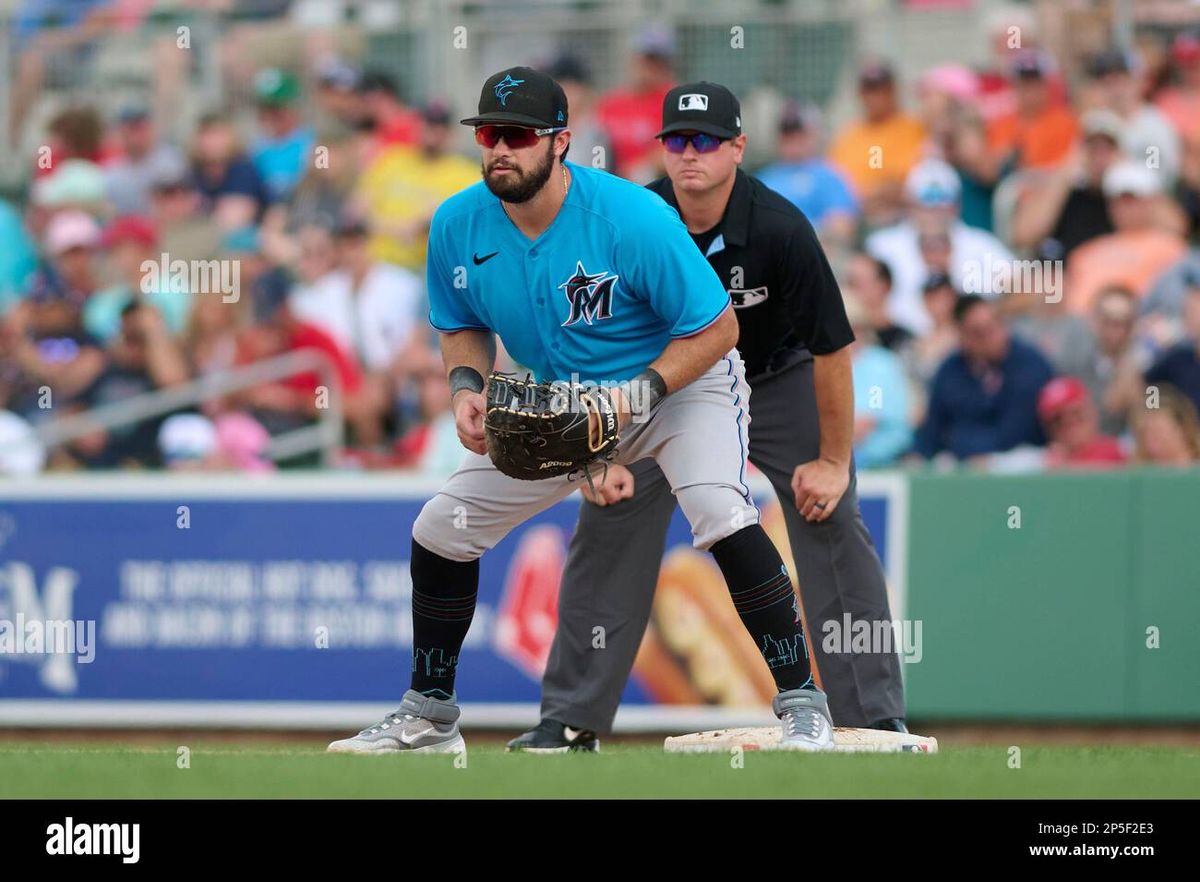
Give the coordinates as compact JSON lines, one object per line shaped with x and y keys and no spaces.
{"x":480,"y":260}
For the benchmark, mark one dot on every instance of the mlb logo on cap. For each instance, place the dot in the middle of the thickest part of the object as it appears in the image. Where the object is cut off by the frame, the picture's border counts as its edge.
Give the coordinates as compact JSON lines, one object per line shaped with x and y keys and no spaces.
{"x":701,"y":107}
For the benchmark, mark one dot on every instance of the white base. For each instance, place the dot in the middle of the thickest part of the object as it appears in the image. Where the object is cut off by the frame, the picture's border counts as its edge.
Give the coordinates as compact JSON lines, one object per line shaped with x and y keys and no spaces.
{"x":844,"y":740}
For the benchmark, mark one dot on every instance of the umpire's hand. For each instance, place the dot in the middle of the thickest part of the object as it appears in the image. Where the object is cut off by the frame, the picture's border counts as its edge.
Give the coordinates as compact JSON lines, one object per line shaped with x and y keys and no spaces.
{"x":469,"y":410}
{"x":618,"y":485}
{"x":819,"y":486}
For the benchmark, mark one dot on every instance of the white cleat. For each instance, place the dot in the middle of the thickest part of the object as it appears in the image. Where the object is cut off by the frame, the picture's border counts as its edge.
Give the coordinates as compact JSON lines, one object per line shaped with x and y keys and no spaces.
{"x":419,"y":725}
{"x":804,"y":714}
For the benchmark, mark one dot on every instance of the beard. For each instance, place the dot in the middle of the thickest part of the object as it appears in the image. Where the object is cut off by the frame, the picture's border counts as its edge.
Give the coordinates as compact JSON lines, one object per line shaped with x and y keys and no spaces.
{"x":520,"y":186}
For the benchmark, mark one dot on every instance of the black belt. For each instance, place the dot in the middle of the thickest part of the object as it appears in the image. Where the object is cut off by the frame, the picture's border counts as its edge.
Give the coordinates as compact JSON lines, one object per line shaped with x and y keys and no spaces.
{"x":781,"y":360}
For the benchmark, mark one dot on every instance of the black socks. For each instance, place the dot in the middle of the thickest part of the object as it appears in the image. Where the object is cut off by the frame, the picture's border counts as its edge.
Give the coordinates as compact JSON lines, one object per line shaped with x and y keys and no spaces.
{"x":443,"y":603}
{"x":765,"y":600}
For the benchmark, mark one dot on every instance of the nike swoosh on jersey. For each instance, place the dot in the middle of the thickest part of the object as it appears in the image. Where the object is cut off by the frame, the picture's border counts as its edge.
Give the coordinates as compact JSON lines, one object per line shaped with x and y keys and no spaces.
{"x":480,"y":260}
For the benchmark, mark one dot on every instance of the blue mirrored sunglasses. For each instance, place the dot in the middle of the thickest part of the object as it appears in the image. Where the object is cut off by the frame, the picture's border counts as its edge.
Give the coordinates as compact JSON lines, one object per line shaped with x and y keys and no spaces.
{"x":677,"y":142}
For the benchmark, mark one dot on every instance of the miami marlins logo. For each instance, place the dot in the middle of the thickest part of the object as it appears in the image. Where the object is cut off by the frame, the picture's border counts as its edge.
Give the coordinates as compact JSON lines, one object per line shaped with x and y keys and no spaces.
{"x":590,"y":295}
{"x":506,"y":87}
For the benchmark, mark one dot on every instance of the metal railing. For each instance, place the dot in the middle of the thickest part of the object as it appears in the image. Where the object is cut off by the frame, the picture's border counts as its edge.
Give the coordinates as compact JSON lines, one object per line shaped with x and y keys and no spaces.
{"x":327,"y":435}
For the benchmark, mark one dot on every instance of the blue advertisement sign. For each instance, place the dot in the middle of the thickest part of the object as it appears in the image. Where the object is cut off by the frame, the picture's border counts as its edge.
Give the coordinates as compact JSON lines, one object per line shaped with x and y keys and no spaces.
{"x":211,"y":590}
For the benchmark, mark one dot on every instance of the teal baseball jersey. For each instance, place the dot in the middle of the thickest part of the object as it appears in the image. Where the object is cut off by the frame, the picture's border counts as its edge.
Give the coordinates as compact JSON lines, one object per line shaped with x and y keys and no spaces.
{"x":598,"y":295}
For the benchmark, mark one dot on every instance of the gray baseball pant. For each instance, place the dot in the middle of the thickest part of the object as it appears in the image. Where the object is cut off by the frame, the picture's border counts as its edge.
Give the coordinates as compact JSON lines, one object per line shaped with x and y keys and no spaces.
{"x":615,"y":555}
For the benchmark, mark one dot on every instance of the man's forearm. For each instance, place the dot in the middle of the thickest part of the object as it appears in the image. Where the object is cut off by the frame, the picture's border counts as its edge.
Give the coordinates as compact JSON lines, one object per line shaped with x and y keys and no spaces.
{"x":834,"y":382}
{"x":686,"y":359}
{"x":472,"y":349}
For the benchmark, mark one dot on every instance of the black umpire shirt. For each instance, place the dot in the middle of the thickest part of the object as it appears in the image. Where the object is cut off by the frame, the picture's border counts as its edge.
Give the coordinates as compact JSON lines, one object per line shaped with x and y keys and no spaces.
{"x":784,"y":293}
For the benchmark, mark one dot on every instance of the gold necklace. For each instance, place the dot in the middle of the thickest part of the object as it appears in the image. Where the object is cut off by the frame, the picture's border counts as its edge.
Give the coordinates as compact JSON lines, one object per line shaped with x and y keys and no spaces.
{"x":566,"y":186}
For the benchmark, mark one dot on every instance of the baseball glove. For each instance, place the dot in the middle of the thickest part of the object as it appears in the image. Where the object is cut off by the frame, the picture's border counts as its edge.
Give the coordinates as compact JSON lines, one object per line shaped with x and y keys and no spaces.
{"x":542,"y":430}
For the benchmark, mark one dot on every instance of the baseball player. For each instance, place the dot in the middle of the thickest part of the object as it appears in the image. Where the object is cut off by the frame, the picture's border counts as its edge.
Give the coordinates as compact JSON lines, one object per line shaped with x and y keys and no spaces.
{"x":582,"y":273}
{"x":794,"y":335}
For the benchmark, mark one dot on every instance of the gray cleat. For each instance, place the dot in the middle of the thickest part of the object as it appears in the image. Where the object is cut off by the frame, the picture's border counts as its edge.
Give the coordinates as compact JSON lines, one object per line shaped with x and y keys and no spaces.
{"x":806,"y":721}
{"x":419,"y":725}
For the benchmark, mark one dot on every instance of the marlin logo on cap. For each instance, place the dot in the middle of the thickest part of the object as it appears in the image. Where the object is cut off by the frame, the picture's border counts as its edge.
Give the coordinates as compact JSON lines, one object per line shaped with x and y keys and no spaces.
{"x":506,"y":87}
{"x":693,"y":101}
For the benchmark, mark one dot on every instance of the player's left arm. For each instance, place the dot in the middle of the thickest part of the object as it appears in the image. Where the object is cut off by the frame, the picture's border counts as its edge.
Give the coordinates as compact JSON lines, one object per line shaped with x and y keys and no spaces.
{"x":819,"y":319}
{"x":686,"y":358}
{"x":682,"y":362}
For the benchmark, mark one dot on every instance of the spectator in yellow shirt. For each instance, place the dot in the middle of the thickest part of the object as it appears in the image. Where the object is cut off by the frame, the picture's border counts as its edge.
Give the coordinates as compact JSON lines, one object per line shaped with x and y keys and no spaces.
{"x":877,"y":152}
{"x":403,"y":185}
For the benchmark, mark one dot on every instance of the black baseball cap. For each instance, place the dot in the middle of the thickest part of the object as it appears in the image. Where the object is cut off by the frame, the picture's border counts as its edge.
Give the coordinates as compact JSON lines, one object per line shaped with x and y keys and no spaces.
{"x":936,"y":280}
{"x":1110,"y":61}
{"x":521,"y":96}
{"x":436,"y":113}
{"x":701,"y":107}
{"x":799,"y":116}
{"x":876,"y":73}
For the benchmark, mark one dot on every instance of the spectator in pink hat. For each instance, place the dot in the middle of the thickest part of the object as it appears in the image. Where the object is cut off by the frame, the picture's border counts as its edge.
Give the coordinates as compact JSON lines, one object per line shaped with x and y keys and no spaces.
{"x":941,"y":91}
{"x":241,"y":444}
{"x":1072,"y":425}
{"x":50,"y":357}
{"x":68,"y":272}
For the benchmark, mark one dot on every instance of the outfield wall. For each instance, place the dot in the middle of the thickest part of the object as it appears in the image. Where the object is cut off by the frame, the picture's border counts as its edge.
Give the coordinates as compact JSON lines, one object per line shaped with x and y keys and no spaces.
{"x":284,"y":602}
{"x":1064,"y":597}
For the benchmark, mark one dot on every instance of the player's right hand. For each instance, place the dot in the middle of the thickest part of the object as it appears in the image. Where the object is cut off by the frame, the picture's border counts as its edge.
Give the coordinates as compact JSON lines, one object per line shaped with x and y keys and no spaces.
{"x":469,"y":410}
{"x":618,"y":485}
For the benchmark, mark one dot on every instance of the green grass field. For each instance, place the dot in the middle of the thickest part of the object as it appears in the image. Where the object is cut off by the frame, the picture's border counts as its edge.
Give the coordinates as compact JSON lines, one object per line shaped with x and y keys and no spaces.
{"x":94,"y":770}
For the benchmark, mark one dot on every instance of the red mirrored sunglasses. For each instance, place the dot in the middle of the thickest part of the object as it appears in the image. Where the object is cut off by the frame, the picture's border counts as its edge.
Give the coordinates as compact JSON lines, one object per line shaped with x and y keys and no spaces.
{"x":515,"y":137}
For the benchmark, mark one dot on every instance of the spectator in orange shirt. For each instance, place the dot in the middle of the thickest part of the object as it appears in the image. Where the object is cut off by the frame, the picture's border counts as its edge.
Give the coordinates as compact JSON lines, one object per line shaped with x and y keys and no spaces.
{"x":1040,"y":132}
{"x":877,"y":152}
{"x":632,"y":116}
{"x":1136,"y":253}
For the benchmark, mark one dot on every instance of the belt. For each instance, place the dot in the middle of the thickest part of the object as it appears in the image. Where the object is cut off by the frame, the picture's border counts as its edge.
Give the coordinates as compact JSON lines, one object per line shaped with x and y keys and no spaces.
{"x":782,"y":360}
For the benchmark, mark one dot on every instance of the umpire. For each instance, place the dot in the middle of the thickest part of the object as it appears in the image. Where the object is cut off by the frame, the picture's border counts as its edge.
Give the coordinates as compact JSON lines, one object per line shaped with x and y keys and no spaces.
{"x":793,"y":337}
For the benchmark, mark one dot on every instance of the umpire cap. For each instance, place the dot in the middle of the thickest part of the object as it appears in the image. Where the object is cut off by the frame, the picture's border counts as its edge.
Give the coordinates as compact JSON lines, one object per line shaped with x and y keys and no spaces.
{"x":701,"y":107}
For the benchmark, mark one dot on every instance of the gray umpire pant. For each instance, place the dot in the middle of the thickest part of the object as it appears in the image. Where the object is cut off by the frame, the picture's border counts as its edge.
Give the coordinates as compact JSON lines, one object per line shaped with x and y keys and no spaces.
{"x":615,"y":555}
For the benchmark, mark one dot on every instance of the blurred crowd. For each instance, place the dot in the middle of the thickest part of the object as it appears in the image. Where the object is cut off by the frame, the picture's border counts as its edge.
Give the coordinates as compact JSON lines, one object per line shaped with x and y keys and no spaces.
{"x":1016,"y":245}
